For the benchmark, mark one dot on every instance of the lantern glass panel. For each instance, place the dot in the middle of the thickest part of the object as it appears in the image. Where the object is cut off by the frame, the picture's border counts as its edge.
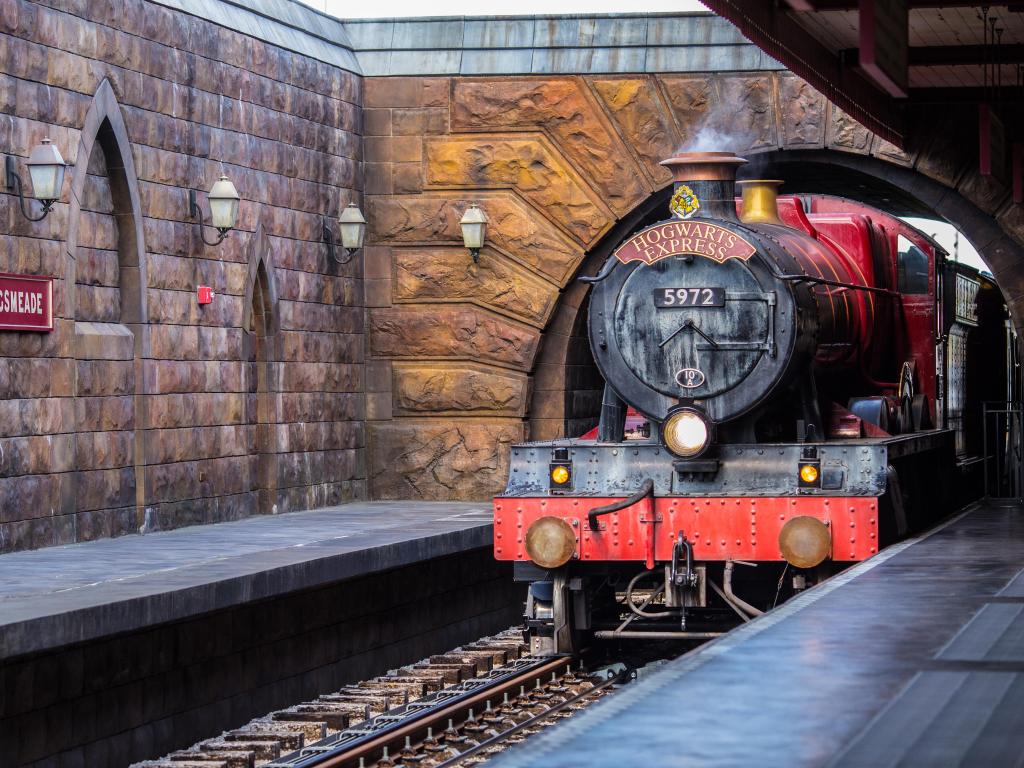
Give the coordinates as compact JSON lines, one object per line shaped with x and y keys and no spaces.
{"x":353,"y":228}
{"x":352,"y":235}
{"x":223,"y":204}
{"x":224,"y":212}
{"x":474,"y":226}
{"x":47,"y":181}
{"x":473,"y":234}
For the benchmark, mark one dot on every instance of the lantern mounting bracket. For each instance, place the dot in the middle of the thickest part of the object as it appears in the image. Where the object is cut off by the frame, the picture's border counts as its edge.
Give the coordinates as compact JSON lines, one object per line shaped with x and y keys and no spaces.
{"x":333,"y":248}
{"x":195,"y":212}
{"x":13,"y":181}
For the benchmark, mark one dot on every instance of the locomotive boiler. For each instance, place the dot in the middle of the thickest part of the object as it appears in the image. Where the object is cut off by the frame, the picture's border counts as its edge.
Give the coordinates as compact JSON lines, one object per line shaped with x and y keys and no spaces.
{"x":770,"y":392}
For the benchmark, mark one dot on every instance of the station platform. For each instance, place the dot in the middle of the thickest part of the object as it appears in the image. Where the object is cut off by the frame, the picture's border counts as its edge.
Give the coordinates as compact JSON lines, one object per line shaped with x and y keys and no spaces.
{"x":121,"y":650}
{"x":79,"y":592}
{"x":914,"y":657}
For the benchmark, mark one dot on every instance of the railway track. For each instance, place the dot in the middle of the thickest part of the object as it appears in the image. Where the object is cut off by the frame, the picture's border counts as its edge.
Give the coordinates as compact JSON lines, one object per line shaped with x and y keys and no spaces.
{"x":457,"y":708}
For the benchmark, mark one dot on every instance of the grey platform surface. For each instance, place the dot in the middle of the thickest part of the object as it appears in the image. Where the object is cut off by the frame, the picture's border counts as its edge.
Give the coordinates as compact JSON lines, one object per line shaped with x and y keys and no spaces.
{"x":913,"y":658}
{"x":59,"y":595}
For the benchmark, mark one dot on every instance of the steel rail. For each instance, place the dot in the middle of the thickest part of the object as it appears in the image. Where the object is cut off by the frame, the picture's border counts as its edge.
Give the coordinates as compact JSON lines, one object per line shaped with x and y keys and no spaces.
{"x":620,"y":677}
{"x":368,"y":740}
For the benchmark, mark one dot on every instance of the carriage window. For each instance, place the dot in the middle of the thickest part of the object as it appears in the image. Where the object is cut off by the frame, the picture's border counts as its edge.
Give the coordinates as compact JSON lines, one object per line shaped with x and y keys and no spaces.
{"x":912,"y":267}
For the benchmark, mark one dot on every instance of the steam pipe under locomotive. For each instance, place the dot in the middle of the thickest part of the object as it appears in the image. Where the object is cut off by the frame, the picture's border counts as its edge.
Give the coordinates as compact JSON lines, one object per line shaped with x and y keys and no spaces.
{"x":780,"y":385}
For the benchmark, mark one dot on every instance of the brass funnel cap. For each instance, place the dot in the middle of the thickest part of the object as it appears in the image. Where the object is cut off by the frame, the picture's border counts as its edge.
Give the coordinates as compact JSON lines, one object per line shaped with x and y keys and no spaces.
{"x":760,"y":201}
{"x":703,"y":166}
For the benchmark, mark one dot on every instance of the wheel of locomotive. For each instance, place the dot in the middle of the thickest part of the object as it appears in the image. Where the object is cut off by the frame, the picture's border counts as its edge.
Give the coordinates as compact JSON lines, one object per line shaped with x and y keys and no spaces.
{"x":905,"y":394}
{"x":873,"y":410}
{"x":566,"y":637}
{"x":550,"y":617}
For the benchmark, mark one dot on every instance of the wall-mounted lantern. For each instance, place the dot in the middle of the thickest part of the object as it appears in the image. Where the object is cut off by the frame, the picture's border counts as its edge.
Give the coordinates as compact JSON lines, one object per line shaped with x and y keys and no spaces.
{"x":46,"y":170}
{"x":223,"y":199}
{"x":353,"y":230}
{"x":474,"y":230}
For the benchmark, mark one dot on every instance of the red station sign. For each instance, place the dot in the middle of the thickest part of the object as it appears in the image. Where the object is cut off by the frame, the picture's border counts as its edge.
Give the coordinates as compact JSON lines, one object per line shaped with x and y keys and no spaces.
{"x":26,"y":303}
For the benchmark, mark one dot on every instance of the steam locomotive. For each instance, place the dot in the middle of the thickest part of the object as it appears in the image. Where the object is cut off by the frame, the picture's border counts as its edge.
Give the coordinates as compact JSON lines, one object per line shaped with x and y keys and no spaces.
{"x":773,"y":382}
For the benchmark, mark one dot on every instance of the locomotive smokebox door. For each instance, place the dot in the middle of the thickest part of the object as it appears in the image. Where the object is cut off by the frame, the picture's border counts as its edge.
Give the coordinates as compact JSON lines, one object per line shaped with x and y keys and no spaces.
{"x":691,"y":327}
{"x":703,"y":327}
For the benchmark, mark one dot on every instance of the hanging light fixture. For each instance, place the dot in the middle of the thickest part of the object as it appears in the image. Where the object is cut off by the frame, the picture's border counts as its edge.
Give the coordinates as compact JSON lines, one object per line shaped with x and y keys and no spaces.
{"x":46,"y":170}
{"x":223,"y":199}
{"x":353,"y":231}
{"x":474,"y":230}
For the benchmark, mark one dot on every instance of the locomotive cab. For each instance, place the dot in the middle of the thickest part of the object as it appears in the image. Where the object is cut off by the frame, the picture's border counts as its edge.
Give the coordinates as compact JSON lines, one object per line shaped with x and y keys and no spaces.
{"x":756,"y":352}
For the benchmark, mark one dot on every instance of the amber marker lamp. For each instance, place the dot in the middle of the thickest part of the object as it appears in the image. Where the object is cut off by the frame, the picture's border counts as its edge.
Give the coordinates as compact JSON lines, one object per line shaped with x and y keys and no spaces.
{"x":223,"y":199}
{"x":46,"y":170}
{"x":474,"y":230}
{"x":353,"y":230}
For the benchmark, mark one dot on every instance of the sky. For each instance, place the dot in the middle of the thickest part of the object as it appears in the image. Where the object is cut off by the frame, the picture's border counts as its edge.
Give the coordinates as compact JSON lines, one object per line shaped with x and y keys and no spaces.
{"x":946,"y":235}
{"x":406,"y":8}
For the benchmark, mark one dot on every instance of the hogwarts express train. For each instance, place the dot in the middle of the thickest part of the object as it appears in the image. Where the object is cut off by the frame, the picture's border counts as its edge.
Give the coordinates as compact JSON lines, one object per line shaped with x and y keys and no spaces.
{"x":774,"y":385}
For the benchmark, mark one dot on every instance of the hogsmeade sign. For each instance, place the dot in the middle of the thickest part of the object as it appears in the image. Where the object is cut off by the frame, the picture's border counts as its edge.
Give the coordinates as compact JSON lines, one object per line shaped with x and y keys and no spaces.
{"x":26,"y":303}
{"x":684,"y":238}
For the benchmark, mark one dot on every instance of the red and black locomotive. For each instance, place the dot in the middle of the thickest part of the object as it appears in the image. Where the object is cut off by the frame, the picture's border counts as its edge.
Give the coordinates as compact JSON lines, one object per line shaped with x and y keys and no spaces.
{"x":771,"y":396}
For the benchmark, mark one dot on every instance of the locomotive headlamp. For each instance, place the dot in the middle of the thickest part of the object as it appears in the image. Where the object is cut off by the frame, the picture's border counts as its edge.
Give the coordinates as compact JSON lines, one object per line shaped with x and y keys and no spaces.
{"x":559,"y":474}
{"x":686,"y":432}
{"x":550,"y":542}
{"x":809,"y":474}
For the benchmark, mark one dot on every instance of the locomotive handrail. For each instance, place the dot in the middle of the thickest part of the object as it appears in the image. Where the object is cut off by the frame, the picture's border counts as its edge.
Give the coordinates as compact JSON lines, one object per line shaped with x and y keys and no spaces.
{"x":605,"y":271}
{"x":836,"y":284}
{"x":646,"y":489}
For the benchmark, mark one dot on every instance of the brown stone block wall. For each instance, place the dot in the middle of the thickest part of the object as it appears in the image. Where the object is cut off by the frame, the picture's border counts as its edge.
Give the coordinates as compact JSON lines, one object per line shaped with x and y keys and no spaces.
{"x":135,"y":412}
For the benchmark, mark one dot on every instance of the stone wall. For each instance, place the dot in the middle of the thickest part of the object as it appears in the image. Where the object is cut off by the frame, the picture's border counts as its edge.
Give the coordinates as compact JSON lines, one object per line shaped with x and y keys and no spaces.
{"x":143,"y":409}
{"x":563,"y":165}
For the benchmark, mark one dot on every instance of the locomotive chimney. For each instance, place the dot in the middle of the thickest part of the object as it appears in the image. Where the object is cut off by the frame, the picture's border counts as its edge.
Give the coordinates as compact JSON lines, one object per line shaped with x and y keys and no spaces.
{"x":760,"y":201}
{"x":711,"y":178}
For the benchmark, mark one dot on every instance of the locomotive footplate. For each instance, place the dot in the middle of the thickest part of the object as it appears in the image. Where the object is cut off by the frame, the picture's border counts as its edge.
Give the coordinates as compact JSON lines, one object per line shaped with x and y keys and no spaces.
{"x":855,"y":467}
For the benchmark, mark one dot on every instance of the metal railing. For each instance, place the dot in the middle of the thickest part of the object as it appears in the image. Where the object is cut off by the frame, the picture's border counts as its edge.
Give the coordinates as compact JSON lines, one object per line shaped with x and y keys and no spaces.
{"x":1002,"y":423}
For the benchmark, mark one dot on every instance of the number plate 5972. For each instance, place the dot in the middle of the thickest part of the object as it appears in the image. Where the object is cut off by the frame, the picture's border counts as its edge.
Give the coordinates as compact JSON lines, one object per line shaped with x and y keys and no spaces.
{"x":690,"y":298}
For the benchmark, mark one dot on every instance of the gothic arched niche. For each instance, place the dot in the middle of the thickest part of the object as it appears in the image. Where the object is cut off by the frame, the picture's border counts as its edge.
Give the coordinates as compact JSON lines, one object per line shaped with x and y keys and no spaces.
{"x":106,"y":295}
{"x":260,"y":323}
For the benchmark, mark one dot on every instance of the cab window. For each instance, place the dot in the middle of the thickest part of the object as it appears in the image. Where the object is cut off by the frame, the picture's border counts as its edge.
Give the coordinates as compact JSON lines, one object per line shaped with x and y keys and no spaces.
{"x":911,"y":267}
